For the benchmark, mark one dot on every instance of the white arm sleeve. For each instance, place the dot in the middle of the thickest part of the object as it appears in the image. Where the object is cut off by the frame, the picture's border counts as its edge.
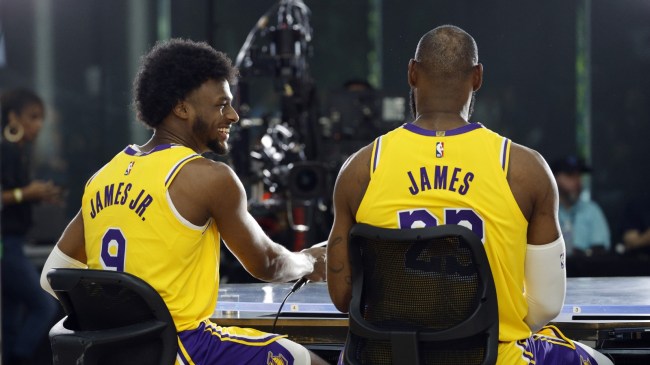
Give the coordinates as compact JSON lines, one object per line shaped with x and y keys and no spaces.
{"x":56,"y":260}
{"x":545,"y":281}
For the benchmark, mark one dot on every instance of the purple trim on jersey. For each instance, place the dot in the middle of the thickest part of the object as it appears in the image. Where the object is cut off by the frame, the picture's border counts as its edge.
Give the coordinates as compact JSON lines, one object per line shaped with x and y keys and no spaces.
{"x":177,"y":166}
{"x":452,"y":132}
{"x":133,"y":152}
{"x":504,"y":152}
{"x":377,"y":150}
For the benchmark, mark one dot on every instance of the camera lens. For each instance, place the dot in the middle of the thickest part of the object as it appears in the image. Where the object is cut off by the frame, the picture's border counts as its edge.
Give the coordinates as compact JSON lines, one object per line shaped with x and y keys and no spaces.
{"x":307,"y":180}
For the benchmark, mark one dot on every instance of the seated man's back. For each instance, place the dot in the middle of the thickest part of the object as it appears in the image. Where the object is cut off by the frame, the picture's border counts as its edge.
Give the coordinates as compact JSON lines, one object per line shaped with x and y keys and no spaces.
{"x":440,"y":169}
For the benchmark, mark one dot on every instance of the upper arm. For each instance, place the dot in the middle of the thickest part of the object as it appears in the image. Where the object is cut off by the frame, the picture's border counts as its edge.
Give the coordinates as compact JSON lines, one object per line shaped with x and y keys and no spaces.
{"x":350,"y":187}
{"x":72,"y":241}
{"x":535,"y":190}
{"x":226,"y":202}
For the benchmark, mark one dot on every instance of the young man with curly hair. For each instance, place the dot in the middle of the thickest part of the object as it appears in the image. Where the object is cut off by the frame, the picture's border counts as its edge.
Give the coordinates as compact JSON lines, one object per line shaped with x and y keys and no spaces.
{"x":165,"y":208}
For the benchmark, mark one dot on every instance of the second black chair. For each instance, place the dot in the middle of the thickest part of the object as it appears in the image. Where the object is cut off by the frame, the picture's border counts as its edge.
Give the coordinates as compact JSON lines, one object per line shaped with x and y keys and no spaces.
{"x":421,"y":296}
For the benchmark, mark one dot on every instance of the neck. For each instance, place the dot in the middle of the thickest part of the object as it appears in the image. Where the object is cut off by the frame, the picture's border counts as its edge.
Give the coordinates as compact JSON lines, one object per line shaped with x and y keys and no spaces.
{"x":440,"y":121}
{"x":441,"y":110}
{"x":164,"y":135}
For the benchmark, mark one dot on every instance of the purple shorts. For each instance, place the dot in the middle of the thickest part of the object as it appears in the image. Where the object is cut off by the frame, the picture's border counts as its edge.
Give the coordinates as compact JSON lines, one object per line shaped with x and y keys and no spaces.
{"x":211,"y":344}
{"x":550,"y":346}
{"x":546,"y":347}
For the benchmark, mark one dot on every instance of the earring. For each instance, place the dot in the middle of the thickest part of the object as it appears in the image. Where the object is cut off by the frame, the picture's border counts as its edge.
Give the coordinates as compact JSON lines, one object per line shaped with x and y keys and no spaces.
{"x":13,"y":132}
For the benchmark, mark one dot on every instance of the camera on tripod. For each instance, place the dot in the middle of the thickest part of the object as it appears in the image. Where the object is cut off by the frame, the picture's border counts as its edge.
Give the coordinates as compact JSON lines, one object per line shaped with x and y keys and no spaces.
{"x":286,"y":44}
{"x":282,"y":167}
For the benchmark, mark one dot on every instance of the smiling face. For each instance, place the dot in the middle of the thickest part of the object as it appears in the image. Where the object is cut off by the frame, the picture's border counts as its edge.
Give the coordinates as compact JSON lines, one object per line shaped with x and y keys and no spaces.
{"x":213,"y":115}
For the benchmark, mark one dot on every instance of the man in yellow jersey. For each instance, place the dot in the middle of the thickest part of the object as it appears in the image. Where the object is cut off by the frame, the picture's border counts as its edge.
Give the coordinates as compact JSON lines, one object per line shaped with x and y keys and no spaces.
{"x":441,"y":169}
{"x":158,"y":210}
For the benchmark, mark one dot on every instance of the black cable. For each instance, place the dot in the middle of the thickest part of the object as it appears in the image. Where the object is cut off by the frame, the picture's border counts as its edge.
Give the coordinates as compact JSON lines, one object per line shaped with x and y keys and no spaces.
{"x":299,"y":284}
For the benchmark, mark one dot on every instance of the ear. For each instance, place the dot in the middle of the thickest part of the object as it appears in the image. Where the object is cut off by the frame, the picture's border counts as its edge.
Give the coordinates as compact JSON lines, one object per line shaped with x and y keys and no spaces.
{"x":182,"y":110}
{"x":477,"y":77}
{"x":412,"y":72}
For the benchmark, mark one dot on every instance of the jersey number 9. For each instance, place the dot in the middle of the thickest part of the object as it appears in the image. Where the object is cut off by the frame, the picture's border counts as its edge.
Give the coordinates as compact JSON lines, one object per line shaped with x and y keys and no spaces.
{"x":113,"y":254}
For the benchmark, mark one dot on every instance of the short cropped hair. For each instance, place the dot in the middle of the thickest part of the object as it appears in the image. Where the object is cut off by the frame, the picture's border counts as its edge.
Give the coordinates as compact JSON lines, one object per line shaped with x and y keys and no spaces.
{"x":171,"y":71}
{"x":447,"y":52}
{"x":16,"y":100}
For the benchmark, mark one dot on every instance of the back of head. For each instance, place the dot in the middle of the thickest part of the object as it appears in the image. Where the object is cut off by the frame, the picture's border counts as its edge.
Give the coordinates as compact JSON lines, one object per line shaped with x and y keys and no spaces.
{"x":173,"y":69}
{"x":447,"y":53}
{"x":15,"y":101}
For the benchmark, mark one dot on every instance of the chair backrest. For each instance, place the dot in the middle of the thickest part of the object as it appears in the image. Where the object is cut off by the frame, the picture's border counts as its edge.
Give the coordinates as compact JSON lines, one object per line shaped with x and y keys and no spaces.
{"x":112,"y":318}
{"x":421,"y":296}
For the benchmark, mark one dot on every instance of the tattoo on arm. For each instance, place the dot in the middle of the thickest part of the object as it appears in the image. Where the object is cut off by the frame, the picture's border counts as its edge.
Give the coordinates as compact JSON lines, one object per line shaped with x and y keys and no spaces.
{"x":336,"y":241}
{"x":338,"y":266}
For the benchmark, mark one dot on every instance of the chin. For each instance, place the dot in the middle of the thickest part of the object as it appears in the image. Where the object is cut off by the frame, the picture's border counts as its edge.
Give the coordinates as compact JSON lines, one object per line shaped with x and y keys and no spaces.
{"x":219,"y":148}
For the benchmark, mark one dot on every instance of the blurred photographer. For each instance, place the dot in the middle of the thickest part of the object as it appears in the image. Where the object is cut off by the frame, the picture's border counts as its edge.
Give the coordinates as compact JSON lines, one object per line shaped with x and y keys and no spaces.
{"x":582,"y":222}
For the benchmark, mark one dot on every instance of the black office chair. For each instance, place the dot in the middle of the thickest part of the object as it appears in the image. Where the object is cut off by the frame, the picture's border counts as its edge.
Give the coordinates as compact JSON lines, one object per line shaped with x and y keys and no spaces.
{"x":420,"y":296}
{"x":112,"y":318}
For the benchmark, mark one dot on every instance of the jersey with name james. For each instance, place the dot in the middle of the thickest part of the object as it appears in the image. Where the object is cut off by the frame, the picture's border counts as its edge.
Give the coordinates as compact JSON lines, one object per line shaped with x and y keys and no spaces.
{"x":421,"y":178}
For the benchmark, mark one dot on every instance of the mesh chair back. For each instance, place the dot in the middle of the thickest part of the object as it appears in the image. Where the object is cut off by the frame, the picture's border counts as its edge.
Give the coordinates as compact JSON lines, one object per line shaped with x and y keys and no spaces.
{"x":120,"y":318}
{"x":428,"y":291}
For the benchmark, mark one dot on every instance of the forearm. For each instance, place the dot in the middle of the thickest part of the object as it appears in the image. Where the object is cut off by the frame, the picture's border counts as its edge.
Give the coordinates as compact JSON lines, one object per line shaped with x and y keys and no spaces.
{"x":339,"y":277}
{"x":635,"y":239}
{"x":58,"y":259}
{"x":284,"y":265}
{"x":13,"y":196}
{"x":545,"y":279}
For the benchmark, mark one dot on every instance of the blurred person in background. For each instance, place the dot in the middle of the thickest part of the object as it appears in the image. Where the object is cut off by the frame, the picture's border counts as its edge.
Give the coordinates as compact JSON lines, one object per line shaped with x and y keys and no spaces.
{"x":27,"y":312}
{"x":583,"y":224}
{"x":636,"y":228}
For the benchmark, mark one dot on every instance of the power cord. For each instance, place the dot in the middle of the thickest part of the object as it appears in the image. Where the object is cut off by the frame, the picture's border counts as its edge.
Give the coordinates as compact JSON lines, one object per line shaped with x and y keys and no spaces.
{"x":299,"y":284}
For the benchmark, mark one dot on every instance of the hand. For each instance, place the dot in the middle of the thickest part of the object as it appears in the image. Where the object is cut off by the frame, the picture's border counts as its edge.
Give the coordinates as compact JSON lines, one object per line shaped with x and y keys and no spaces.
{"x":319,"y":254}
{"x":46,"y":191}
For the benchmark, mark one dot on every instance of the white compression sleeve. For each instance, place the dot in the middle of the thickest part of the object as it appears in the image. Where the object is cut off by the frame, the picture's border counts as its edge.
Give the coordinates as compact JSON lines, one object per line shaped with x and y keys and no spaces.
{"x":58,"y":259}
{"x":545,"y":280}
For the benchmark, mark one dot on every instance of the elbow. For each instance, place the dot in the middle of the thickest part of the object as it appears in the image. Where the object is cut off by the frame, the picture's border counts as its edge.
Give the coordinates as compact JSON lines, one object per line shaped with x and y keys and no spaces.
{"x":45,"y":284}
{"x":342,"y":307}
{"x":261,"y":273}
{"x":551,"y":312}
{"x":261,"y":268}
{"x":540,"y":314}
{"x":340,"y":299}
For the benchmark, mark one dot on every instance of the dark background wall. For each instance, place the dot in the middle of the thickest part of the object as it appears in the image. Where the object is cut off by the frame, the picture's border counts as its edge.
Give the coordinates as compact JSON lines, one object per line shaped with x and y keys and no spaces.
{"x":528,"y":49}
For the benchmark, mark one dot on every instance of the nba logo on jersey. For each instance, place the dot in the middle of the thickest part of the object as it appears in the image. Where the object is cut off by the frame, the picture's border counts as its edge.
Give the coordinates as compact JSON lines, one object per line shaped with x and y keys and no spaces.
{"x":440,"y":149}
{"x":128,"y":169}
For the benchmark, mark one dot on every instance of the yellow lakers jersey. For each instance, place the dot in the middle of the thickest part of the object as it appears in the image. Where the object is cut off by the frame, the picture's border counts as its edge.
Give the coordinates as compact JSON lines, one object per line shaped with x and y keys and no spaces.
{"x":131,"y":224}
{"x":421,"y":178}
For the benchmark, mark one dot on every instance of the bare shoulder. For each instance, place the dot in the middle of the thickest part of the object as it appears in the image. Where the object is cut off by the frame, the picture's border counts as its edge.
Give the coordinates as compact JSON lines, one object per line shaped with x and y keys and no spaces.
{"x":354,"y":177}
{"x":359,"y":162}
{"x":529,"y":176}
{"x":203,"y":172}
{"x":203,"y":187}
{"x":522,"y":157}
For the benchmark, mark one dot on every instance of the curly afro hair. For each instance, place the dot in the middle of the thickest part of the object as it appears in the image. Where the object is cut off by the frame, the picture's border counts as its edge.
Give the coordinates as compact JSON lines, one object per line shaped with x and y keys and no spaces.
{"x":173,"y":69}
